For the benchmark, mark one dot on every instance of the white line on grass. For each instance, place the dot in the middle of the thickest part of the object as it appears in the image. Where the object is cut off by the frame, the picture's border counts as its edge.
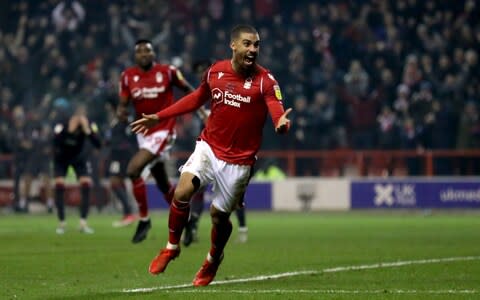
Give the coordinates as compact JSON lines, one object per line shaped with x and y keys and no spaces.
{"x":328,"y":270}
{"x":303,"y":291}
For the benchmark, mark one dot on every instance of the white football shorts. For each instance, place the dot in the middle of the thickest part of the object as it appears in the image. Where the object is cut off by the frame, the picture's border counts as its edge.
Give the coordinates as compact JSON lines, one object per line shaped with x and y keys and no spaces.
{"x":158,"y":143}
{"x":229,"y":181}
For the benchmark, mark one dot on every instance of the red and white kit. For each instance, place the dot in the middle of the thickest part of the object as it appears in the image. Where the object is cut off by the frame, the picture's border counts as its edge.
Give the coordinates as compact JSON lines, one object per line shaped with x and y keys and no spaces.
{"x":151,"y":91}
{"x":233,"y":133}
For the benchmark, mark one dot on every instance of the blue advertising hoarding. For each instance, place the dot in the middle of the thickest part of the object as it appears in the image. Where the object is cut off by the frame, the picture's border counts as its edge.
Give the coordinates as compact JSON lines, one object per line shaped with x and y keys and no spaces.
{"x":410,"y":193}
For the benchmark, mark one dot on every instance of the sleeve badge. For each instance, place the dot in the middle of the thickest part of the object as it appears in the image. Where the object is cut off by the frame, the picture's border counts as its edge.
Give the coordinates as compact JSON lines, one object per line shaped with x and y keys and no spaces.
{"x":278,"y":93}
{"x":180,"y":76}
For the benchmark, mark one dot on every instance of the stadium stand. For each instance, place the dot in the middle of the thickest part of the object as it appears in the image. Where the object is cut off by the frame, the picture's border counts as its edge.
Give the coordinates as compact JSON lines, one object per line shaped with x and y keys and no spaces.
{"x":347,"y":61}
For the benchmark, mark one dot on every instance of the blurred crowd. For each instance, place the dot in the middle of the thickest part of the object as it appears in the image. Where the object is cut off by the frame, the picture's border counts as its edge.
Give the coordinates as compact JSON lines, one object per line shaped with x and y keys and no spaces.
{"x":360,"y":74}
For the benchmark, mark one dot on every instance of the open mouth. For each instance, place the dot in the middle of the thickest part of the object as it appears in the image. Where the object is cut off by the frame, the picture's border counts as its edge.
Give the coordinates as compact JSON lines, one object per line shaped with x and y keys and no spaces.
{"x":249,"y":59}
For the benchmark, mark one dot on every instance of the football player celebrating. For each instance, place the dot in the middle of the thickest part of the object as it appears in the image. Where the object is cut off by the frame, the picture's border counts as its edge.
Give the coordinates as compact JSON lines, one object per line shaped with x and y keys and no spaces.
{"x":242,"y":94}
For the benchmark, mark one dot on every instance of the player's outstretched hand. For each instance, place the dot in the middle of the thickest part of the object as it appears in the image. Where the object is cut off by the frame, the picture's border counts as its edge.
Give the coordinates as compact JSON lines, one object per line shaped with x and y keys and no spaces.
{"x":283,"y":123}
{"x":142,"y":125}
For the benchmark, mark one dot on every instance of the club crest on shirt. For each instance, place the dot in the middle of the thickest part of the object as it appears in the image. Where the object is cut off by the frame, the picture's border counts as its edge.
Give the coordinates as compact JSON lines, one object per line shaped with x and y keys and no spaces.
{"x":248,"y":83}
{"x":220,"y":75}
{"x":278,"y":93}
{"x":135,"y":78}
{"x":159,"y":77}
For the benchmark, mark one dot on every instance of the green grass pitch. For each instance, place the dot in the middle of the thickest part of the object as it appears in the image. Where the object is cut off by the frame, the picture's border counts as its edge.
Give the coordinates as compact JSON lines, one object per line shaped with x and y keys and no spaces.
{"x":35,"y":263}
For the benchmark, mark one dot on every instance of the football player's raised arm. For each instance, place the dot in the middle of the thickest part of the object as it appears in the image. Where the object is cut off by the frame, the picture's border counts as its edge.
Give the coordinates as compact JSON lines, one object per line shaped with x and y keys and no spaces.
{"x":190,"y":102}
{"x":186,"y":104}
{"x":273,"y":99}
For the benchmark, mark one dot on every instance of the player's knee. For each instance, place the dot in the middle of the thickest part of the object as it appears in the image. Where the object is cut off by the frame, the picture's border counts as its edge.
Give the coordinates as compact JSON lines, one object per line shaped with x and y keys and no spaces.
{"x":185,"y":189}
{"x":219,"y":217}
{"x":182,"y":195}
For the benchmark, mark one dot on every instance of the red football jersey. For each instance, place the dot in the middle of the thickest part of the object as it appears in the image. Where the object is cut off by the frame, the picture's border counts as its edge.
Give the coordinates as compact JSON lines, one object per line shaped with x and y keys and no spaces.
{"x":239,"y":108}
{"x":152,"y":90}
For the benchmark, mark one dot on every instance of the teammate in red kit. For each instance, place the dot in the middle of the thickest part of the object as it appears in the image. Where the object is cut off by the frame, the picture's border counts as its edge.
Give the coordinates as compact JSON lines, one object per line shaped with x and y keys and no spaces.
{"x":149,"y":87}
{"x":242,"y":93}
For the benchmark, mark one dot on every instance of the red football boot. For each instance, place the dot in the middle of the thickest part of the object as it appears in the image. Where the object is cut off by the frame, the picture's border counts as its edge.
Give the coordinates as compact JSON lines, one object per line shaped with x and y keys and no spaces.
{"x":207,"y":272}
{"x":160,"y":262}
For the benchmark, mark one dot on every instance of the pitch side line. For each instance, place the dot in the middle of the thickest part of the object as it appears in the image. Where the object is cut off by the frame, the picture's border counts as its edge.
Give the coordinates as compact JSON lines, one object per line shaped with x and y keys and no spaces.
{"x":283,"y":291}
{"x":311,"y":272}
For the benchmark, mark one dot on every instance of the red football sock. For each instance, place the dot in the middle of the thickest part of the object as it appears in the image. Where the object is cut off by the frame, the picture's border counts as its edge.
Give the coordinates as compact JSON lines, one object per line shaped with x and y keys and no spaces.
{"x":140,"y":193}
{"x":219,"y":237}
{"x":177,"y":219}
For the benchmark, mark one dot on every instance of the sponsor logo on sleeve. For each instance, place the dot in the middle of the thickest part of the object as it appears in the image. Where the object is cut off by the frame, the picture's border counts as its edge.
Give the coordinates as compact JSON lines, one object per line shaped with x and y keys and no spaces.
{"x":278,"y":93}
{"x":180,"y":76}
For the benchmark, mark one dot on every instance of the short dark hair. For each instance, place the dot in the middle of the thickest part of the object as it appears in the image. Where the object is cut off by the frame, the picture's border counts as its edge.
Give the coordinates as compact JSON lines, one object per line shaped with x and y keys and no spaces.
{"x":238,"y":29}
{"x":143,"y":41}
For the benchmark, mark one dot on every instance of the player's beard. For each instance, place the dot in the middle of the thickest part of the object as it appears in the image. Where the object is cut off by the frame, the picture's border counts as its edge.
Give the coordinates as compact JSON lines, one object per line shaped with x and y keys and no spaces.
{"x":145,"y":64}
{"x":246,"y":65}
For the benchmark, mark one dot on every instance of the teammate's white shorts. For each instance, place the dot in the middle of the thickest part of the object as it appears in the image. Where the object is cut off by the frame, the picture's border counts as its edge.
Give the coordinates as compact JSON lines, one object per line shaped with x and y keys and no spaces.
{"x":158,"y":143}
{"x":229,"y":180}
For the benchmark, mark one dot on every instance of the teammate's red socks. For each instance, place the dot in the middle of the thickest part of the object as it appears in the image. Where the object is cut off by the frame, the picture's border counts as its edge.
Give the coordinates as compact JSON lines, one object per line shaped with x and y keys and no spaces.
{"x":140,"y":193}
{"x":177,"y":219}
{"x":219,"y":236}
